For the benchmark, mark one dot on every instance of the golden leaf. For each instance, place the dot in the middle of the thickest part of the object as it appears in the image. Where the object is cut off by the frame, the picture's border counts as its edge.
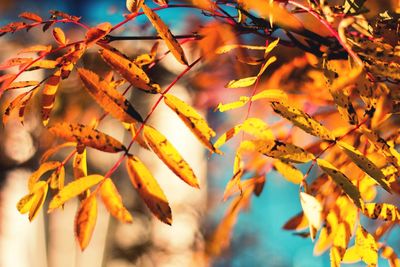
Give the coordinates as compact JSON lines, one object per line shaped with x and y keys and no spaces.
{"x":342,"y":180}
{"x":97,"y":33}
{"x":109,"y":98}
{"x":134,"y":5}
{"x":165,"y":34}
{"x":73,"y":189}
{"x":302,"y":120}
{"x":197,"y":124}
{"x":87,"y":136}
{"x":283,"y":151}
{"x":169,"y":155}
{"x":79,"y":165}
{"x":57,"y":178}
{"x":149,"y":189}
{"x":85,"y":221}
{"x":40,"y":192}
{"x":59,"y":36}
{"x":240,"y":83}
{"x":366,"y":246}
{"x":289,"y":172}
{"x":384,"y":211}
{"x":364,"y":163}
{"x":43,"y":168}
{"x":30,"y":16}
{"x":129,"y":70}
{"x":340,"y":242}
{"x":113,"y":202}
{"x":49,"y":95}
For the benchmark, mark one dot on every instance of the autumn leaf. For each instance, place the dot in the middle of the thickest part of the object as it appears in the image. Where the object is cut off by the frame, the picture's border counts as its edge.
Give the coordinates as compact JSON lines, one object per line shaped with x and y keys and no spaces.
{"x":364,"y":163}
{"x":297,"y":222}
{"x":302,"y":120}
{"x":113,"y":202}
{"x":169,"y":155}
{"x":130,"y":71}
{"x":109,"y":98}
{"x":288,"y":171}
{"x":97,"y":33}
{"x":342,"y":181}
{"x":57,"y":178}
{"x":149,"y":189}
{"x":85,"y":221}
{"x":165,"y":34}
{"x":31,"y":16}
{"x":312,"y":209}
{"x":40,"y":193}
{"x":134,"y":5}
{"x":384,"y":211}
{"x":49,"y":95}
{"x":197,"y":124}
{"x":283,"y":151}
{"x":73,"y":189}
{"x":87,"y":136}
{"x":366,"y":246}
{"x":59,"y":36}
{"x":43,"y":168}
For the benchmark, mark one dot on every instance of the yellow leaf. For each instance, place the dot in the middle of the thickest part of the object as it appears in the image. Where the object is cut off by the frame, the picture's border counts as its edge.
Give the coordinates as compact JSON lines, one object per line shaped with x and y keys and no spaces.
{"x":51,"y":151}
{"x":87,"y":136}
{"x":243,"y":100}
{"x":97,"y":33}
{"x":266,"y":65}
{"x":169,"y":155}
{"x":384,"y":211}
{"x":146,"y":59}
{"x":270,"y":95}
{"x":344,"y":105}
{"x":302,"y":120}
{"x":165,"y":34}
{"x":267,"y":9}
{"x":342,"y":180}
{"x":289,"y":172}
{"x":364,"y":163}
{"x":49,"y":95}
{"x":23,"y":84}
{"x":73,"y":189}
{"x":366,"y":246}
{"x":340,"y":242}
{"x":113,"y":202}
{"x":283,"y":151}
{"x":57,"y":178}
{"x":25,"y":203}
{"x":351,"y":255}
{"x":134,"y":5}
{"x":197,"y":124}
{"x":149,"y":189}
{"x":85,"y":221}
{"x":59,"y":36}
{"x":312,"y":209}
{"x":129,"y":71}
{"x":109,"y":98}
{"x":79,"y":164}
{"x":244,"y":82}
{"x":40,"y":193}
{"x":43,"y":168}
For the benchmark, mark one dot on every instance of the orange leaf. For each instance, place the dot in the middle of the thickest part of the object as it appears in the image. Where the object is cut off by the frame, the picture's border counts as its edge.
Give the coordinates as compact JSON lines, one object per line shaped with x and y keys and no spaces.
{"x":134,"y":5}
{"x":59,"y":35}
{"x":85,"y":221}
{"x":49,"y":95}
{"x":165,"y":34}
{"x":113,"y":202}
{"x":97,"y":33}
{"x":31,"y":16}
{"x":149,"y":190}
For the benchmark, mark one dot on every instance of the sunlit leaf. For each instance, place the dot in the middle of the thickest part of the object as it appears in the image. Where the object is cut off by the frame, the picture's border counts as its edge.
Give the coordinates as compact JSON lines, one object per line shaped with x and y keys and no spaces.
{"x":169,"y":155}
{"x":30,"y":16}
{"x":49,"y":95}
{"x":40,"y":192}
{"x":57,"y":178}
{"x":97,"y":33}
{"x":43,"y":168}
{"x":197,"y":124}
{"x":149,"y":189}
{"x":113,"y":202}
{"x":59,"y":36}
{"x":134,"y":5}
{"x":85,"y":221}
{"x":109,"y":98}
{"x":88,"y":136}
{"x":283,"y":151}
{"x":364,"y":163}
{"x":312,"y":209}
{"x":165,"y":34}
{"x":288,"y":171}
{"x":366,"y":246}
{"x":302,"y":120}
{"x":73,"y":189}
{"x":383,"y":211}
{"x":130,"y":71}
{"x":342,"y":180}
{"x":240,"y":83}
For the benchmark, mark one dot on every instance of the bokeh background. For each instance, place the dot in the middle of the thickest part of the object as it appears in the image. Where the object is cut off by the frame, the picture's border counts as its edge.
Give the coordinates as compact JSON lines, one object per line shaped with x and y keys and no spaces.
{"x":258,"y":238}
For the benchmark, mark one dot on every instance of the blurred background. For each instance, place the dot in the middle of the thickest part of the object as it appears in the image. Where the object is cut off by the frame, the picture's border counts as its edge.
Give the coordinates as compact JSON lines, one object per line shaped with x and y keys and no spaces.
{"x":258,"y":238}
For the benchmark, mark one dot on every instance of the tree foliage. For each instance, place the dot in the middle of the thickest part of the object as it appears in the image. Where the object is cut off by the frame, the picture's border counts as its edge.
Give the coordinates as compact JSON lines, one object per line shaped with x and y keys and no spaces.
{"x":333,"y":108}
